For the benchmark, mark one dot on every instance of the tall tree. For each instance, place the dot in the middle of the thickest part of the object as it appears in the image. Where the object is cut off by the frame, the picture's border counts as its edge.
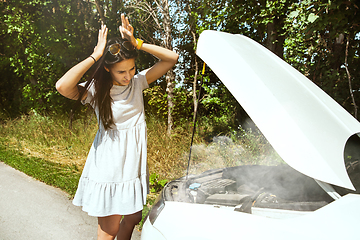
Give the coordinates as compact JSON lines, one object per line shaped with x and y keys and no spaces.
{"x":323,"y":43}
{"x":157,"y":14}
{"x":35,"y":35}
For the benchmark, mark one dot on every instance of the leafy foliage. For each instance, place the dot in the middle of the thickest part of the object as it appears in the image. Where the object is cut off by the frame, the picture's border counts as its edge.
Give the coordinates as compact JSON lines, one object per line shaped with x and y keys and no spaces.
{"x":310,"y":35}
{"x":156,"y":184}
{"x":34,"y":37}
{"x":41,"y":39}
{"x":319,"y":33}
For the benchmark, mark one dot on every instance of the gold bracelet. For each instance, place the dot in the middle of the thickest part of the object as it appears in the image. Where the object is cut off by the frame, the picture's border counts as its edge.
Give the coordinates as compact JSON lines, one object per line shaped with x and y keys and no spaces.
{"x":139,"y":43}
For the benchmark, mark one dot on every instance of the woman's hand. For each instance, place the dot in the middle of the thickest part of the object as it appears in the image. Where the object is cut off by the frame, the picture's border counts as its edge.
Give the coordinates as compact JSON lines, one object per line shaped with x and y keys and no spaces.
{"x":126,"y":30}
{"x":167,"y":57}
{"x":67,"y":84}
{"x":100,"y":47}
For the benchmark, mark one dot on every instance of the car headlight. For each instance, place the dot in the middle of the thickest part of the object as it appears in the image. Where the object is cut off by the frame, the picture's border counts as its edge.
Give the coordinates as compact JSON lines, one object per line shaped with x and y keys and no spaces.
{"x":157,"y":207}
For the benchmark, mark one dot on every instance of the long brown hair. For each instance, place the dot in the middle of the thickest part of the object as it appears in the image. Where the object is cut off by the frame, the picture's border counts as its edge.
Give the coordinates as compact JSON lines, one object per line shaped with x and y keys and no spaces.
{"x":103,"y":82}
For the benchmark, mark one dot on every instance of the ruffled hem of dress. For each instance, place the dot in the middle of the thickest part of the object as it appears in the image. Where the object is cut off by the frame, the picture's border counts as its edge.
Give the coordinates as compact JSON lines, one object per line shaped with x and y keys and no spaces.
{"x":100,"y":199}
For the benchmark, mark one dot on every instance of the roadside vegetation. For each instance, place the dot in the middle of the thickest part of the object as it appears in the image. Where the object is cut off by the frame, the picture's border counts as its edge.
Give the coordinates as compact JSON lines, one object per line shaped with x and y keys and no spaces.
{"x":45,"y":148}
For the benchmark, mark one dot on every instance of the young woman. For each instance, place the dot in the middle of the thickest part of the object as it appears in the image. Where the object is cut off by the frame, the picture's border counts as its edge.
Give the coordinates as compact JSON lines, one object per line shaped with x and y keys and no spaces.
{"x":114,"y":182}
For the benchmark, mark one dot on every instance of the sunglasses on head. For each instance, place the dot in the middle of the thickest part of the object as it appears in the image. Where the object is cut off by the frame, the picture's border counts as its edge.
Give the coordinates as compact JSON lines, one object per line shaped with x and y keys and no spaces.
{"x":115,"y":48}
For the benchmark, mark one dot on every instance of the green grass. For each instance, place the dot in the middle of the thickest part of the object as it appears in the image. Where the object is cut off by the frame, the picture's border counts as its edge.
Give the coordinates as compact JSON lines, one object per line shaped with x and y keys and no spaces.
{"x":35,"y":143}
{"x":45,"y":148}
{"x":63,"y":176}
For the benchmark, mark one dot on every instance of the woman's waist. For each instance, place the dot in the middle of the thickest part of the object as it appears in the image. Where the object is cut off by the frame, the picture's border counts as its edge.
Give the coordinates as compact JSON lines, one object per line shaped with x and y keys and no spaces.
{"x":129,"y":124}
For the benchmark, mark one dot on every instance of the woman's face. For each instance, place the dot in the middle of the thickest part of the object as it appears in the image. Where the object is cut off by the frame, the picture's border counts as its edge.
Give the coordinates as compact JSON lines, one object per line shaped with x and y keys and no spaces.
{"x":122,"y":72}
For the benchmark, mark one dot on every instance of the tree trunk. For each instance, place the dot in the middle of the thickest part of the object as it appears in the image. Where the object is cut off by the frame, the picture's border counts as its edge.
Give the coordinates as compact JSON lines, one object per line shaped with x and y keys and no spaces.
{"x":159,"y":11}
{"x":100,"y":10}
{"x":170,"y":94}
{"x":114,"y":8}
{"x":274,"y":30}
{"x":193,"y":33}
{"x":275,"y":41}
{"x":169,"y":77}
{"x":349,"y":77}
{"x":195,"y":79}
{"x":271,"y":36}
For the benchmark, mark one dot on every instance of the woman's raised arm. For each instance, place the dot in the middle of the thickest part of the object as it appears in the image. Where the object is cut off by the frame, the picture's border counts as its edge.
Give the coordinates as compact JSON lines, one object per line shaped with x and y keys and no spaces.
{"x":67,"y":84}
{"x":167,"y":57}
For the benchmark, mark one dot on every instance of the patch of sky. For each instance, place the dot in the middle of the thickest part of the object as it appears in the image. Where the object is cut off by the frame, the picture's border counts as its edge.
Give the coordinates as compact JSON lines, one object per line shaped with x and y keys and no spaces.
{"x":357,"y":36}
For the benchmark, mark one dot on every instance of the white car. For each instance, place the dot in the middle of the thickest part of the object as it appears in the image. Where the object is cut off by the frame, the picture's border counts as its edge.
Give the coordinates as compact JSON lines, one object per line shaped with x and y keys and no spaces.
{"x":310,"y":198}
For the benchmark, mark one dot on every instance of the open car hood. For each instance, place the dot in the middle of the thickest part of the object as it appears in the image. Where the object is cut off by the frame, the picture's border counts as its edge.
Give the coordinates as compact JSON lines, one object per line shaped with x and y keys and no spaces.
{"x":306,"y":127}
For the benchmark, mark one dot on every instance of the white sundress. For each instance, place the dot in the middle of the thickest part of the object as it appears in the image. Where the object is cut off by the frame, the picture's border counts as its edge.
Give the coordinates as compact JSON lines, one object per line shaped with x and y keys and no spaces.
{"x":115,"y":175}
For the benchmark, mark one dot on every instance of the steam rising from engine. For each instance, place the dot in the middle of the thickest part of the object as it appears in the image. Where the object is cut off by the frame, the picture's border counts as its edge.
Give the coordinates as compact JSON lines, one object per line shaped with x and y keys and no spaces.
{"x":223,"y":152}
